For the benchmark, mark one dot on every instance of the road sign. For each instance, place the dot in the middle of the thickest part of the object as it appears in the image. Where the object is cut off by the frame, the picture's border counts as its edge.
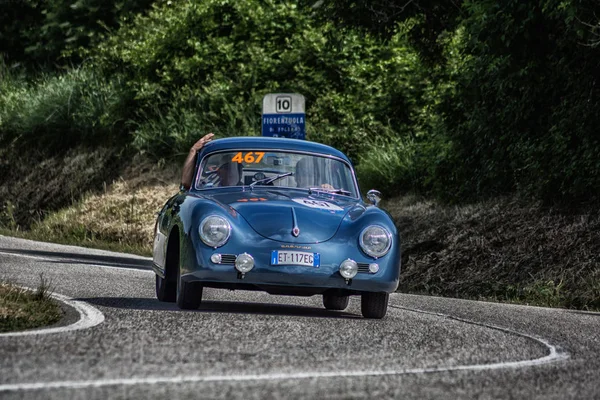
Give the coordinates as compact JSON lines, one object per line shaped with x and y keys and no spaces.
{"x":283,"y":115}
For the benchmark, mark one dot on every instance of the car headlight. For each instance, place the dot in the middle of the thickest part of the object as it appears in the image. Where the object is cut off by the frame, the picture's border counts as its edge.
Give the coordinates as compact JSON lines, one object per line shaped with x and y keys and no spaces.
{"x":375,"y":240}
{"x":214,"y":231}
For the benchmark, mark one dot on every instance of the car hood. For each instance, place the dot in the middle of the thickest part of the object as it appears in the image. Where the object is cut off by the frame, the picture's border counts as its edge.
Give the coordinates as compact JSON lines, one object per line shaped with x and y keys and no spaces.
{"x":275,"y":213}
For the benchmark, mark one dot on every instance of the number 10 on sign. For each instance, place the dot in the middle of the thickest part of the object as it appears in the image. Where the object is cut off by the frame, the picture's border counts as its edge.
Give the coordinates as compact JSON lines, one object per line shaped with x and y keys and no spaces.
{"x":283,"y":104}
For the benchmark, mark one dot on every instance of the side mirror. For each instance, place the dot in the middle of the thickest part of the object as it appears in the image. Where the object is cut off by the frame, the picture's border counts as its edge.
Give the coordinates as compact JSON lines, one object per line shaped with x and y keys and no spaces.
{"x":374,"y":196}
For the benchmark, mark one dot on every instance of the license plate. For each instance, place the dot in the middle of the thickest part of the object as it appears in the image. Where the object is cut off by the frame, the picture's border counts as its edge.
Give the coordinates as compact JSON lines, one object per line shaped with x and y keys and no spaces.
{"x":303,"y":258}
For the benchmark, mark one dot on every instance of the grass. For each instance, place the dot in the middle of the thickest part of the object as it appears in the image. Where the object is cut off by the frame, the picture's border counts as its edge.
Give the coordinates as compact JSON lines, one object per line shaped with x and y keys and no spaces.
{"x":59,"y":111}
{"x":121,"y":218}
{"x":89,"y":241}
{"x":22,"y":309}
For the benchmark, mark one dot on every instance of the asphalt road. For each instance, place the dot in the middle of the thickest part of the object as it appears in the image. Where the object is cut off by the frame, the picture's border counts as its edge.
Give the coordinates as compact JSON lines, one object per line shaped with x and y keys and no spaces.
{"x":253,"y":345}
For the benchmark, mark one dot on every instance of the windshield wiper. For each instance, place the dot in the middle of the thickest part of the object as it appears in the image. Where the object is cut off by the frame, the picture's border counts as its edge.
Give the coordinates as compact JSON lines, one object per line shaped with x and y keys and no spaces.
{"x":335,"y":191}
{"x":272,"y":179}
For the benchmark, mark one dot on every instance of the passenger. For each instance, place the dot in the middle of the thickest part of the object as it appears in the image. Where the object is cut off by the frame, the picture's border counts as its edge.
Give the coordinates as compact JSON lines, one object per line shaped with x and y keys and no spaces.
{"x":190,"y":161}
{"x":230,"y":174}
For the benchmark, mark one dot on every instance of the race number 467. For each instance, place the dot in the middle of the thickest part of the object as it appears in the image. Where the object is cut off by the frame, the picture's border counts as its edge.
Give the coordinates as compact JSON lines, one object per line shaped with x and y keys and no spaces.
{"x":249,"y":158}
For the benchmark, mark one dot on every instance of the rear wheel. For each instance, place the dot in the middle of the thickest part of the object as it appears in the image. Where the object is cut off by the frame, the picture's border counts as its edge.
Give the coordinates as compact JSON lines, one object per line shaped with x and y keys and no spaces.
{"x":334,"y":302}
{"x":374,"y":305}
{"x":189,"y":294}
{"x":165,"y":290}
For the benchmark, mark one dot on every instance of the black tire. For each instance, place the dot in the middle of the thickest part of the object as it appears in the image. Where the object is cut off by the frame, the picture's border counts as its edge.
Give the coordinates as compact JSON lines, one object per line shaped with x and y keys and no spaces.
{"x":189,"y":294}
{"x":165,"y":291}
{"x":334,"y":302}
{"x":374,"y":305}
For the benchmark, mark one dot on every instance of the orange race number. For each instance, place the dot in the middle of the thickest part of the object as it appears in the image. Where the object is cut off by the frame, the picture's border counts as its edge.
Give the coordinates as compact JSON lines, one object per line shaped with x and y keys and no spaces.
{"x":248,"y":158}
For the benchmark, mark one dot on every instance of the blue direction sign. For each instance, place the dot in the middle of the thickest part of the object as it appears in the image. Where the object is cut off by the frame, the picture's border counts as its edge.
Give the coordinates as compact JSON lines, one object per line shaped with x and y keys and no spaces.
{"x":283,"y":115}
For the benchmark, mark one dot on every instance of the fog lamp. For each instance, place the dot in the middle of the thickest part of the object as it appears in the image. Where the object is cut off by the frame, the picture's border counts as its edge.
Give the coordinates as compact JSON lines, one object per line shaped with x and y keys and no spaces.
{"x":348,"y":269}
{"x":244,"y":263}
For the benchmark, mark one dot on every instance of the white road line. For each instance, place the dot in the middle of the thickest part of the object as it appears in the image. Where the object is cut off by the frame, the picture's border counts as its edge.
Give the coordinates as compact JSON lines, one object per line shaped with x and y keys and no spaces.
{"x":554,"y":353}
{"x":269,"y":377}
{"x":89,"y":316}
{"x":71,"y":261}
{"x":553,"y":356}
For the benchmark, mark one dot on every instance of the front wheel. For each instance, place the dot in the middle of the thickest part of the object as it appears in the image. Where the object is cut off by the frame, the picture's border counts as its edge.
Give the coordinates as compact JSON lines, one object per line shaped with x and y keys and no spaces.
{"x":165,"y":290}
{"x":189,"y":294}
{"x":333,"y":302}
{"x":374,"y":305}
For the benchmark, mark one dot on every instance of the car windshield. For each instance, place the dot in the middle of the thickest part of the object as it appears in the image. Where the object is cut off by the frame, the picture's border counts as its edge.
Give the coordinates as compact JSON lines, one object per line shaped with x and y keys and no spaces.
{"x":281,"y":169}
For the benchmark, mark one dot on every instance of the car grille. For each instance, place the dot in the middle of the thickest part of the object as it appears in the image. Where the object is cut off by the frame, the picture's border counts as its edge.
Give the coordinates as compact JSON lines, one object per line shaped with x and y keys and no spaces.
{"x":229,"y":259}
{"x":363,"y":267}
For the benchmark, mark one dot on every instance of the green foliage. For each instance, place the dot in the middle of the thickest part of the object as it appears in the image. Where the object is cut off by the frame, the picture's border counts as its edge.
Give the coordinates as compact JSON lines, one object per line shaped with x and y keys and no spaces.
{"x":519,"y":87}
{"x":389,"y":164}
{"x":37,"y":32}
{"x":57,"y":112}
{"x":523,"y":116}
{"x":207,"y":65}
{"x":19,"y":24}
{"x":462,"y":100}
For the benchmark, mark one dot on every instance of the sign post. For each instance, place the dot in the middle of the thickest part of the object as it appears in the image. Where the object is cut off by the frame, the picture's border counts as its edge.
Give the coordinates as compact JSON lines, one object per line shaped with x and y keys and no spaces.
{"x":283,"y":115}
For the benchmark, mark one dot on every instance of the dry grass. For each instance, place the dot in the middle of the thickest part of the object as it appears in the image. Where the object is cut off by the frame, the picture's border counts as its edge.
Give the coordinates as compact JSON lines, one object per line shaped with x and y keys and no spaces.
{"x":504,"y":250}
{"x":24,"y":309}
{"x":123,"y":215}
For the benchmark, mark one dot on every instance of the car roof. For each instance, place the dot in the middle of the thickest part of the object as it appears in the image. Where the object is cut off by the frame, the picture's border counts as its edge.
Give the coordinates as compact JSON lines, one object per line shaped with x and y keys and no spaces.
{"x":271,"y":143}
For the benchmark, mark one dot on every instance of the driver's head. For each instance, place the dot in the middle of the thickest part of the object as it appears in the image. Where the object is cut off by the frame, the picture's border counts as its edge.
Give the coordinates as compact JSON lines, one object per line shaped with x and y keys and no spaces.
{"x":229,"y":173}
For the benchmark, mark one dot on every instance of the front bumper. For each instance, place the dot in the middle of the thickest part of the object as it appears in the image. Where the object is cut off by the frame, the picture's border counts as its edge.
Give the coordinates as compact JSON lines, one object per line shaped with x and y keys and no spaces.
{"x":197,"y":267}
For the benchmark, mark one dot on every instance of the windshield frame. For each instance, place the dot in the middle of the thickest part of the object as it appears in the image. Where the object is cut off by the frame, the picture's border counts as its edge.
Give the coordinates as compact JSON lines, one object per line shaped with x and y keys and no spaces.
{"x":201,"y":163}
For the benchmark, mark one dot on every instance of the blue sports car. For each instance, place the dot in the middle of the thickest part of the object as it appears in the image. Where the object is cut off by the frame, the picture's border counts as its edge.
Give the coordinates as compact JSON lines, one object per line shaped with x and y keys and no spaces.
{"x":279,"y":215}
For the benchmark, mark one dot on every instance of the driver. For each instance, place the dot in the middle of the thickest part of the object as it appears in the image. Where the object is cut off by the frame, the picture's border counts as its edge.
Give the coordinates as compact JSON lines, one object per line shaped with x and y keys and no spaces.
{"x":306,"y":174}
{"x":303,"y":176}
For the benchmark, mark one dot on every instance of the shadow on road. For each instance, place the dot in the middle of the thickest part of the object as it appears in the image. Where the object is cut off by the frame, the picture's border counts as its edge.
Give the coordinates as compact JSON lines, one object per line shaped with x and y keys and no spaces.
{"x":212,"y":306}
{"x":89,"y":259}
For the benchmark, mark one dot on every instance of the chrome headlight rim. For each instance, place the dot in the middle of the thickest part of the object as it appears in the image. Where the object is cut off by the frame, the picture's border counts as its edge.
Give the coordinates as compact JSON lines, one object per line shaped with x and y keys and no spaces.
{"x":368,"y":251}
{"x":205,"y":240}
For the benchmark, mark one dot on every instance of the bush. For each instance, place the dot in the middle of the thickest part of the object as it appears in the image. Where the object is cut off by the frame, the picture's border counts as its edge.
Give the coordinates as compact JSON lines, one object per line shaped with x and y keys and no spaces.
{"x":54,"y":32}
{"x":200,"y":66}
{"x":523,"y":116}
{"x":56,"y":112}
{"x":475,"y":101}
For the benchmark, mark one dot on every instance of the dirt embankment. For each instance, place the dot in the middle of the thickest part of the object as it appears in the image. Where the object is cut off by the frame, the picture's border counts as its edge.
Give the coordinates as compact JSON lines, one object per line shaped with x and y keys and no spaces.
{"x":33,"y":184}
{"x":503,"y":249}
